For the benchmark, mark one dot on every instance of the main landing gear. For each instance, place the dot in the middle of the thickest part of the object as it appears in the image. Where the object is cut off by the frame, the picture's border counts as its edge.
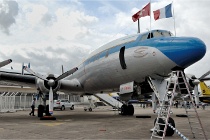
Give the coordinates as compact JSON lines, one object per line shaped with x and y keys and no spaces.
{"x":127,"y":109}
{"x":44,"y":109}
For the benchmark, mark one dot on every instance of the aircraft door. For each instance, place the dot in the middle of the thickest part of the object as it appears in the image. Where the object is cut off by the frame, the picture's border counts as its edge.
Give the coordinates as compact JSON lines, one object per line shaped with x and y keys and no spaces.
{"x":122,"y":58}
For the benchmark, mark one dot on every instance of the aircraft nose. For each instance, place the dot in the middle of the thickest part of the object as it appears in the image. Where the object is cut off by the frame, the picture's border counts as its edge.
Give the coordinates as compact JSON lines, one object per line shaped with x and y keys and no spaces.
{"x":186,"y":51}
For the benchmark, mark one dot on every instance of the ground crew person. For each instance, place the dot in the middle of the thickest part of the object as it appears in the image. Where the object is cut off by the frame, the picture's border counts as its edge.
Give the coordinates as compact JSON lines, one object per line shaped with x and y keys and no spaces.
{"x":32,"y":107}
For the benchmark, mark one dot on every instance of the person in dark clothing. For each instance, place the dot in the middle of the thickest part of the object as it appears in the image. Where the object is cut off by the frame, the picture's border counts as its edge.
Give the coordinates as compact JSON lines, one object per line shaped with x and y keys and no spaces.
{"x":177,"y":103}
{"x":32,"y":107}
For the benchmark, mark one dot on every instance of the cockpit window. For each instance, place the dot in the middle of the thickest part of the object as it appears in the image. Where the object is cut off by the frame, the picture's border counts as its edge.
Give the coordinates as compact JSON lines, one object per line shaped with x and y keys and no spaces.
{"x":156,"y":34}
{"x":150,"y":35}
{"x":167,"y":34}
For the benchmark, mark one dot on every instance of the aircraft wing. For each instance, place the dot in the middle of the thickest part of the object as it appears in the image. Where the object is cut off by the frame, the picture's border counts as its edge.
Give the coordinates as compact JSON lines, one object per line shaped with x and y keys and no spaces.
{"x":15,"y":78}
{"x":9,"y":78}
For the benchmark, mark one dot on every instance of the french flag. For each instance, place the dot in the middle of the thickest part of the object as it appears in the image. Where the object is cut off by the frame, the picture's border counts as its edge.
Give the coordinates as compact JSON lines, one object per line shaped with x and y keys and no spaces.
{"x":163,"y":12}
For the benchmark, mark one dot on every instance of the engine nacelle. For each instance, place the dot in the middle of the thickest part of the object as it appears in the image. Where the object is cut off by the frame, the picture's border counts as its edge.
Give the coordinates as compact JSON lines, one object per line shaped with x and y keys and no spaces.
{"x":192,"y":81}
{"x":43,"y":86}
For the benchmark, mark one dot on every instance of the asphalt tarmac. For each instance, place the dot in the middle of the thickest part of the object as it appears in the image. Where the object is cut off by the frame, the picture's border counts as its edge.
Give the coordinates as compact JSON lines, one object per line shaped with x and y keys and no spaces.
{"x":101,"y":123}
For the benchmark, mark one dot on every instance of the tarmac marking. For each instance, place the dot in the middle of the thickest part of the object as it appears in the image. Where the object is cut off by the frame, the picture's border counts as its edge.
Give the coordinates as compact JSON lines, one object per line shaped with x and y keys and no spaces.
{"x":50,"y":124}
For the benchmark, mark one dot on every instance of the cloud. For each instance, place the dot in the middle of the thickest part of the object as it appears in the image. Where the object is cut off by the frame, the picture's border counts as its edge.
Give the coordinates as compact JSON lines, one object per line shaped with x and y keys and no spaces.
{"x":8,"y":12}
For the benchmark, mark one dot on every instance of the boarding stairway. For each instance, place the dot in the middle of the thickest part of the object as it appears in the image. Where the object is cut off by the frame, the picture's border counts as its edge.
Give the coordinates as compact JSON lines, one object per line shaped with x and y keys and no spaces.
{"x":164,"y":124}
{"x":109,"y":100}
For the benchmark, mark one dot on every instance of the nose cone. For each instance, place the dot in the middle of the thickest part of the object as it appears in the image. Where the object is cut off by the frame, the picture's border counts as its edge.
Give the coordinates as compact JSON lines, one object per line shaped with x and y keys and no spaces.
{"x":186,"y":50}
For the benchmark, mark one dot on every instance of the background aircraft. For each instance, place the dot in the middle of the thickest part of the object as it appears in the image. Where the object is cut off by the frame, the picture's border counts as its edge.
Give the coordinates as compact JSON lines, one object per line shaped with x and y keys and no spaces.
{"x":205,"y":93}
{"x":122,"y":65}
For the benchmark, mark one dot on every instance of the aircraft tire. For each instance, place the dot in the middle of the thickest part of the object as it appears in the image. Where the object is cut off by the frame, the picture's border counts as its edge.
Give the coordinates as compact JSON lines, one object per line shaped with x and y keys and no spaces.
{"x":90,"y":109}
{"x":161,"y":127}
{"x":169,"y":131}
{"x":124,"y":110}
{"x":130,"y":110}
{"x":47,"y":113}
{"x":40,"y":111}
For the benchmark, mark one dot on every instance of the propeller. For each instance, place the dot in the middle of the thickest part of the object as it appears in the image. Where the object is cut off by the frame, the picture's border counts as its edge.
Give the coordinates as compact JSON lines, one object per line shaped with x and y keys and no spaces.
{"x":51,"y":82}
{"x":5,"y":62}
{"x":195,"y":82}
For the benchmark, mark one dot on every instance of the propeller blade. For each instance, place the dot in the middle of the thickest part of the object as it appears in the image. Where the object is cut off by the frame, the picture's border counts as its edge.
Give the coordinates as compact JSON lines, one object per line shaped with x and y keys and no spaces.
{"x":204,"y":75}
{"x":196,"y":95}
{"x":51,"y":101}
{"x":66,"y":74}
{"x":33,"y":73}
{"x":205,"y":79}
{"x":5,"y":62}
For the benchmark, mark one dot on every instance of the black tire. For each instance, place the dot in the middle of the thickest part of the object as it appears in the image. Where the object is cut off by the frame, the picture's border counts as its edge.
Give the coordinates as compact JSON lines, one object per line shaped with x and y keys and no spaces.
{"x":85,"y":109}
{"x":161,"y":127}
{"x":130,"y":110}
{"x":72,"y":108}
{"x":169,"y":131}
{"x":40,"y":111}
{"x":47,"y":113}
{"x":90,"y":109}
{"x":62,"y":107}
{"x":124,"y":109}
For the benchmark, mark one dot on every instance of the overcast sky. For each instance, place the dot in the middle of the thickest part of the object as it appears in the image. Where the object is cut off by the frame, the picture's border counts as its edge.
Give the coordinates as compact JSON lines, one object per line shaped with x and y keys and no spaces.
{"x":50,"y":33}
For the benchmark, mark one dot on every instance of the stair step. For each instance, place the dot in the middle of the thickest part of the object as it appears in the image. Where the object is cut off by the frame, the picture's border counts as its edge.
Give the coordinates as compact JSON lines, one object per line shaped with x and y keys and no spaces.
{"x":183,"y":88}
{"x":162,"y":117}
{"x":161,"y":123}
{"x":157,"y":136}
{"x":159,"y":130}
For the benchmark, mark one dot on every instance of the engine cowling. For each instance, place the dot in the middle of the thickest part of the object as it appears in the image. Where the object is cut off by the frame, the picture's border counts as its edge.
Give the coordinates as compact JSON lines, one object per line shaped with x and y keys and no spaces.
{"x":192,"y":81}
{"x":44,"y":87}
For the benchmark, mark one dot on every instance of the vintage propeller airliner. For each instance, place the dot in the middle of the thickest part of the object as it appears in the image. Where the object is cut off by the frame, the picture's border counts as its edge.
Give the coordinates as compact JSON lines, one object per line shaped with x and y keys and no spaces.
{"x":130,"y":59}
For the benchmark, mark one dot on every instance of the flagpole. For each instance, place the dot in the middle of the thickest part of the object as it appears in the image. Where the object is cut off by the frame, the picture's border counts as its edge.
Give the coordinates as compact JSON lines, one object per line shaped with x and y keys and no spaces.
{"x":174,"y":19}
{"x":138,"y":26}
{"x":150,"y":17}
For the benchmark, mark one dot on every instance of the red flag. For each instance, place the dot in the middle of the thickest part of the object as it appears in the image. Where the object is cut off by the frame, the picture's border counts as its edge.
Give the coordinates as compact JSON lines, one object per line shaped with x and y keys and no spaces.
{"x":142,"y":13}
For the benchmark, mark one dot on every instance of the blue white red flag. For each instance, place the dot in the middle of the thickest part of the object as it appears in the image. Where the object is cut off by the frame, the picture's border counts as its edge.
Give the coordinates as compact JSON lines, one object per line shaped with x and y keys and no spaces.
{"x":163,"y":12}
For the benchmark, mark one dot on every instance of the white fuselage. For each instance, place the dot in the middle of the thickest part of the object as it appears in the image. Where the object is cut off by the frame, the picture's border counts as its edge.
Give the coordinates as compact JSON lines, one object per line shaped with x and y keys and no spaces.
{"x":133,"y":58}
